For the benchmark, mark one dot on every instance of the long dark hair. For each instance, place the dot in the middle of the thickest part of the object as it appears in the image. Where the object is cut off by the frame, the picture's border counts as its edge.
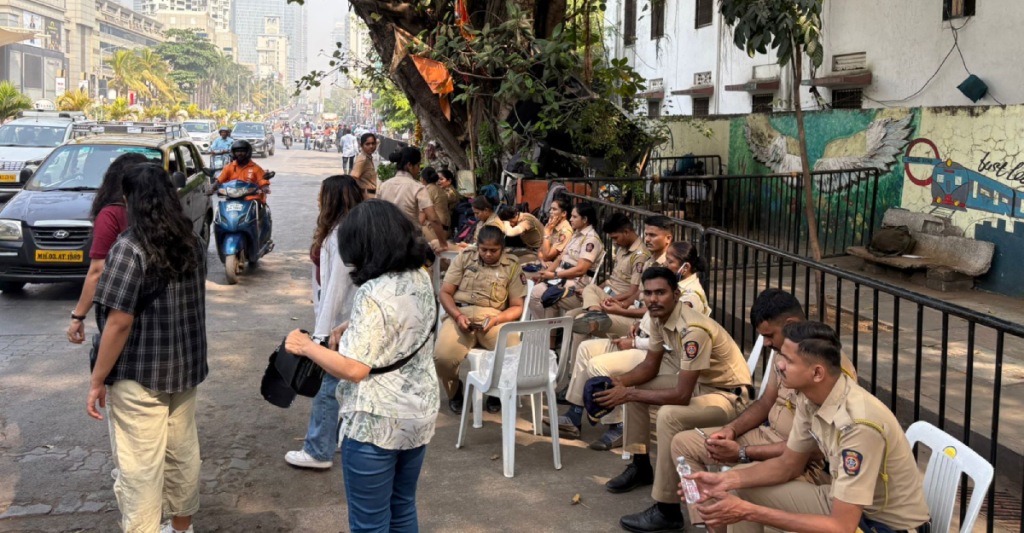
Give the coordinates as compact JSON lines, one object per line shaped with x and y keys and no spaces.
{"x":110,"y":190}
{"x":377,"y":239}
{"x":158,"y":223}
{"x":338,"y":195}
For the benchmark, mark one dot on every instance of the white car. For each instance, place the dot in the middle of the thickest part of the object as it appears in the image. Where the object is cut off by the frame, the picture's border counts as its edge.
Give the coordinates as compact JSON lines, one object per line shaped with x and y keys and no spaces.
{"x":27,"y":140}
{"x":202,"y":132}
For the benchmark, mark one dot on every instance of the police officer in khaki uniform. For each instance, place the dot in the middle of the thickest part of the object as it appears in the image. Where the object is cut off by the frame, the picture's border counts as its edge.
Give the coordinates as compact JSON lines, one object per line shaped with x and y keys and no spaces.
{"x":712,"y":385}
{"x":557,"y":232}
{"x":521,"y":229}
{"x":483,"y":288}
{"x":405,"y":191}
{"x":875,"y":479}
{"x":483,"y":211}
{"x":574,"y":268}
{"x":757,"y":434}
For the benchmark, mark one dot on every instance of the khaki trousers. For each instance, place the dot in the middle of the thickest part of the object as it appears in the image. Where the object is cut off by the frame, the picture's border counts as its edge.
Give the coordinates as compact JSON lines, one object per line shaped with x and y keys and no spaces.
{"x":795,"y":497}
{"x":453,"y":345}
{"x":690,"y":445}
{"x":596,"y":358}
{"x":156,"y":449}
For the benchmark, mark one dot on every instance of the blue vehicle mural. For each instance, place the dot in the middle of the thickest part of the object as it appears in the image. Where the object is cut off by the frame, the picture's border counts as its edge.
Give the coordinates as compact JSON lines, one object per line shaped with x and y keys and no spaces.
{"x":955,"y":187}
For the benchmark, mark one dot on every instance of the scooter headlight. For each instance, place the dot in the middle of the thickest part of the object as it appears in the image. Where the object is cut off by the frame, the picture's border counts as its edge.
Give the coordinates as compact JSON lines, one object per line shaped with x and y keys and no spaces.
{"x":236,"y":192}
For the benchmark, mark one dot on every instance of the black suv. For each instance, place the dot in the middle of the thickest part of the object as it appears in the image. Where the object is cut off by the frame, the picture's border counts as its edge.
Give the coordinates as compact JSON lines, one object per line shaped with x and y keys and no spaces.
{"x":45,"y":230}
{"x":258,"y":134}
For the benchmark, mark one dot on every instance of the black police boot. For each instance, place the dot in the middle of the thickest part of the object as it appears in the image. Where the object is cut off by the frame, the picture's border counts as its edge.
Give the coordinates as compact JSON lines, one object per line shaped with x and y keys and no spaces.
{"x":637,"y":474}
{"x":455,"y":402}
{"x":653,"y":520}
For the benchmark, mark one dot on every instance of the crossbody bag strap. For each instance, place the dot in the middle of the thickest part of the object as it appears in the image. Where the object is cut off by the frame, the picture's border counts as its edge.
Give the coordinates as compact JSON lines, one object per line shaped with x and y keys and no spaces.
{"x":402,"y":362}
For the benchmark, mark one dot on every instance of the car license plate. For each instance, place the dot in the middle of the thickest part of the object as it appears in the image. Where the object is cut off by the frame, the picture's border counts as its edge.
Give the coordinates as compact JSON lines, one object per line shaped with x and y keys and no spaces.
{"x":234,"y":207}
{"x":60,"y":256}
{"x":9,"y":177}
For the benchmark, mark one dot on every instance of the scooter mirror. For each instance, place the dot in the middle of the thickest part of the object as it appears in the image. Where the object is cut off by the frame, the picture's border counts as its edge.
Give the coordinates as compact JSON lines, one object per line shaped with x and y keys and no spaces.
{"x":179,"y":180}
{"x":269,"y":175}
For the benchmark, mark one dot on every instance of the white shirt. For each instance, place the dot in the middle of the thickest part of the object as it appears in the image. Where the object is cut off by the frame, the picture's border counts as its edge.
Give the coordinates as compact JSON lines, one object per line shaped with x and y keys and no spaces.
{"x":332,"y":299}
{"x":349,"y":145}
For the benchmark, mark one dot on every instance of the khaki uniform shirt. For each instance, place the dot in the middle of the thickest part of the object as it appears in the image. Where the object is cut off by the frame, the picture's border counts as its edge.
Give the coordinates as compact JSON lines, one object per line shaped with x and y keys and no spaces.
{"x":408,"y":194}
{"x":529,"y":229}
{"x":698,"y":343}
{"x":486,"y":285}
{"x":440,"y":201}
{"x":560,"y":237}
{"x":692,"y":294}
{"x":629,"y":264}
{"x":585,"y":244}
{"x":364,"y":172}
{"x":493,"y":220}
{"x":654,"y":261}
{"x":872,"y":464}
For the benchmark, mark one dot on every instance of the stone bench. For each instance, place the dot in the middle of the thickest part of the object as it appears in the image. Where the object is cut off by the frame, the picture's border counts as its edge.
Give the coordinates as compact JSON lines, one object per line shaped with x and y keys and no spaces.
{"x":942,"y":259}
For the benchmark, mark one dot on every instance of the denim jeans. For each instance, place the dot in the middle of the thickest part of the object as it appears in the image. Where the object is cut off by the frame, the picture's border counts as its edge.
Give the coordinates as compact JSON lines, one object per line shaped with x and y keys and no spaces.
{"x":322,"y":435}
{"x":380,"y":487}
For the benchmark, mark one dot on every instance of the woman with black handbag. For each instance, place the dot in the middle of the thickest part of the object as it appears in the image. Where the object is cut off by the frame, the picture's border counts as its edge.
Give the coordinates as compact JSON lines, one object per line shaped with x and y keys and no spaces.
{"x":388,"y":391}
{"x":333,"y":291}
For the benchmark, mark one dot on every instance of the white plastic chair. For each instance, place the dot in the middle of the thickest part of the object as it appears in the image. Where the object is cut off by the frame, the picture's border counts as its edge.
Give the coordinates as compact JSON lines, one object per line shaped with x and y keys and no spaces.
{"x":534,"y":378}
{"x":950,"y":458}
{"x":767,"y":374}
{"x":476,"y":355}
{"x":755,"y":355}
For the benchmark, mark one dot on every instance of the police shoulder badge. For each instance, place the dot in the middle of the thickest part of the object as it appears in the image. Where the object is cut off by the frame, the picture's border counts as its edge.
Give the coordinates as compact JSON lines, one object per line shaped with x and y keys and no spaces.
{"x":852,"y":460}
{"x":590,"y":247}
{"x":691,"y":348}
{"x":639,"y":267}
{"x":561,"y":238}
{"x":522,"y":278}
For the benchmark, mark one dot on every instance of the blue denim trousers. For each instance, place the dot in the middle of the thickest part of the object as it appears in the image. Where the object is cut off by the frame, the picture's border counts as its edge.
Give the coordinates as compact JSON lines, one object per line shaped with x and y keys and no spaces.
{"x":380,"y":487}
{"x":322,"y":435}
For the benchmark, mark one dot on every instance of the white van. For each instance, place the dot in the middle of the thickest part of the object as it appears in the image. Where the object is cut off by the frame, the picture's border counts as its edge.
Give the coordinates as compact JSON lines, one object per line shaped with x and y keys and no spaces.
{"x":202,"y":132}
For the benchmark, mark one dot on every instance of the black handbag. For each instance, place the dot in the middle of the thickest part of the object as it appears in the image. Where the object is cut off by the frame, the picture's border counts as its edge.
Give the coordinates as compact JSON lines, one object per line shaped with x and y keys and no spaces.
{"x":300,"y":373}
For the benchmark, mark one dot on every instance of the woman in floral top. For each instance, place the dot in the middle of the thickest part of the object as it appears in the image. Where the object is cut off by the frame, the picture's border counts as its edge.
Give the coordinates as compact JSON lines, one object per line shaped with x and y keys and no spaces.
{"x":387,"y":418}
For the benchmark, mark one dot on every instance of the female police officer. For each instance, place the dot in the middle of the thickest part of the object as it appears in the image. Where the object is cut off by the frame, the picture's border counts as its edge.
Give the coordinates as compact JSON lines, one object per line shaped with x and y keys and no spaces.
{"x":484,"y":288}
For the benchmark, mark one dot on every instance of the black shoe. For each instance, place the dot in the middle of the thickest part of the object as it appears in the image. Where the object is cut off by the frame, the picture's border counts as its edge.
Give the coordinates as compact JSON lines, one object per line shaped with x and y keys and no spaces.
{"x":455,"y":403}
{"x":651,"y":520}
{"x":632,"y":478}
{"x":560,"y":398}
{"x":493,"y":405}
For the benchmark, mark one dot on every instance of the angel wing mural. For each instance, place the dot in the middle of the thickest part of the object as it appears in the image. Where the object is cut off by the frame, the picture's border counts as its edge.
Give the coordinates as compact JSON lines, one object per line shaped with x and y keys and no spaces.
{"x":877,"y":146}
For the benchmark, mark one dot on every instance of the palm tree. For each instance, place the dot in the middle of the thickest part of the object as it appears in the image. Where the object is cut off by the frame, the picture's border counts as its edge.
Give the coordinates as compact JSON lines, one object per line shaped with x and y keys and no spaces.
{"x":155,"y":72}
{"x":118,"y":109}
{"x":128,"y":73}
{"x":12,"y":101}
{"x":74,"y":101}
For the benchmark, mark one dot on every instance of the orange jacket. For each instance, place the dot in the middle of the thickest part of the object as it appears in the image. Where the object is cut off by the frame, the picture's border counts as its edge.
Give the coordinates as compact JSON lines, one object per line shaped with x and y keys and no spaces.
{"x":251,"y":173}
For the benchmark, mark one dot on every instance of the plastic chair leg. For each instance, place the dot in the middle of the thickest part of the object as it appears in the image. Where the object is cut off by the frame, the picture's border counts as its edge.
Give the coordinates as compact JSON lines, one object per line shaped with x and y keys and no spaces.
{"x":462,"y":418}
{"x":553,"y":408}
{"x":508,"y":432}
{"x":478,"y":408}
{"x":537,"y":406}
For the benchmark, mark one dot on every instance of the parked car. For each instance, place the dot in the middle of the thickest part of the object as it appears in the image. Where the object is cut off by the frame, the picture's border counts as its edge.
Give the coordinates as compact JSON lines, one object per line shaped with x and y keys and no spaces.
{"x":202,"y":132}
{"x":46,"y":231}
{"x":258,"y":134}
{"x":27,"y":140}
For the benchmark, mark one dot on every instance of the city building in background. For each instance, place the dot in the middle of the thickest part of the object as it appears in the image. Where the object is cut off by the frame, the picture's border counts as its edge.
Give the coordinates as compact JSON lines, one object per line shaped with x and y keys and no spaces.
{"x":98,"y":34}
{"x":247,"y":22}
{"x":36,"y":66}
{"x":272,"y":51}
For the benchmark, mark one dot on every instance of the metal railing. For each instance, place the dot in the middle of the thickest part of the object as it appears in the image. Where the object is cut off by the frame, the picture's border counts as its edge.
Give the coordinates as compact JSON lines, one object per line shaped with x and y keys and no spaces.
{"x":927,"y":359}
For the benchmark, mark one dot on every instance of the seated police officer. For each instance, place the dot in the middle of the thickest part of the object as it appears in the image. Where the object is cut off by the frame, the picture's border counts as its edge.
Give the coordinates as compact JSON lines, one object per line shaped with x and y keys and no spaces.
{"x":483,"y":288}
{"x":875,"y":486}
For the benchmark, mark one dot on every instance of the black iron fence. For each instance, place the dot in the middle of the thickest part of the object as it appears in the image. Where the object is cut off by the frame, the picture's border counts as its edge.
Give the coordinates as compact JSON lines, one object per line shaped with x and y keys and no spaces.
{"x":766,"y":208}
{"x":927,"y":359}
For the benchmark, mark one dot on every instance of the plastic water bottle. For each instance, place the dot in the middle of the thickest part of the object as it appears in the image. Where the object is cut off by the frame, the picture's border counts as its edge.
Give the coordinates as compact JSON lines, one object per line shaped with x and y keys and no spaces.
{"x":690,"y":489}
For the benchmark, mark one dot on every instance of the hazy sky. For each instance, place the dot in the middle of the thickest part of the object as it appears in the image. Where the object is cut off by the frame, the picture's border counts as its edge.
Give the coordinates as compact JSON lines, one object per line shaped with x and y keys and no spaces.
{"x":321,"y":17}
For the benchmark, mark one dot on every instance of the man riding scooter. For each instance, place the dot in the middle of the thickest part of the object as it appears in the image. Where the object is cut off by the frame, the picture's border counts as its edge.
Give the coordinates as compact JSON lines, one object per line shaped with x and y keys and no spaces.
{"x":242,"y":227}
{"x":245,"y":169}
{"x":222,"y":144}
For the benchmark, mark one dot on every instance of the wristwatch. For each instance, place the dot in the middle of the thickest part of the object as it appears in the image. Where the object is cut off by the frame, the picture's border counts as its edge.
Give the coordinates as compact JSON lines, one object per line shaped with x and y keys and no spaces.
{"x":743,"y":455}
{"x":77,"y":317}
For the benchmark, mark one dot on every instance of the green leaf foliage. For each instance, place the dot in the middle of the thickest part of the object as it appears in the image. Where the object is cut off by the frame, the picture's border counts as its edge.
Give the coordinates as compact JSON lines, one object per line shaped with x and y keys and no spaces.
{"x":783,"y":25}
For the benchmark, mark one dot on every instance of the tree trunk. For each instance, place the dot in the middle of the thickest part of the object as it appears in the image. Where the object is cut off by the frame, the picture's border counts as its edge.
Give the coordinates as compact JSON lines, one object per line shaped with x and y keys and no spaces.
{"x":809,"y":206}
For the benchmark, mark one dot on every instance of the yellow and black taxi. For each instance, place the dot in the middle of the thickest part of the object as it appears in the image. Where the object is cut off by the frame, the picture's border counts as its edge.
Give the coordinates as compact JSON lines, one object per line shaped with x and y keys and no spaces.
{"x":46,"y":231}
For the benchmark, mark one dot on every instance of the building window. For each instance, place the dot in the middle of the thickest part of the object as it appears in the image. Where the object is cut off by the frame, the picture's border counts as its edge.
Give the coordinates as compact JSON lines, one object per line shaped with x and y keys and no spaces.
{"x":33,"y":72}
{"x":952,"y":9}
{"x":653,"y":108}
{"x":761,"y":103}
{"x":629,"y":23}
{"x":847,"y":98}
{"x":657,"y":19}
{"x":701,"y":107}
{"x":705,"y":13}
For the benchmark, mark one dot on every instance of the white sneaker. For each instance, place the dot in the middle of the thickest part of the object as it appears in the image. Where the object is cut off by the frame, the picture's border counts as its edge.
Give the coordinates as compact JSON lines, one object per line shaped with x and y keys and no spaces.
{"x":302,"y":459}
{"x":167,"y":528}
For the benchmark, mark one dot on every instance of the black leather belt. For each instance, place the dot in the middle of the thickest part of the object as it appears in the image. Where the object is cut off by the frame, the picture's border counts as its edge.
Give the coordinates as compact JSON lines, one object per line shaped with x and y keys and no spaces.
{"x":567,"y":266}
{"x":371,"y":191}
{"x":738,"y":391}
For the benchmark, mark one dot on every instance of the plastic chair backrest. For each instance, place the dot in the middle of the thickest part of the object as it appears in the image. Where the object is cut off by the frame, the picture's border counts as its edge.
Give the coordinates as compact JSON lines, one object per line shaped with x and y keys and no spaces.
{"x":755,"y":354}
{"x":950,"y":458}
{"x":526,"y":302}
{"x":767,"y":373}
{"x":534,"y":351}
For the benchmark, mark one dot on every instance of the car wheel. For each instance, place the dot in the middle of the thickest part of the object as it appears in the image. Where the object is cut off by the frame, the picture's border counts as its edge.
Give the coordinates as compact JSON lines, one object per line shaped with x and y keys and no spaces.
{"x":11,"y":286}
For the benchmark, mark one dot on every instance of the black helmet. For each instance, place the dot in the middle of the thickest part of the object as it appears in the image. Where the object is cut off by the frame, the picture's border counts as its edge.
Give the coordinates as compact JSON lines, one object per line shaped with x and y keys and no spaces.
{"x":242,"y":145}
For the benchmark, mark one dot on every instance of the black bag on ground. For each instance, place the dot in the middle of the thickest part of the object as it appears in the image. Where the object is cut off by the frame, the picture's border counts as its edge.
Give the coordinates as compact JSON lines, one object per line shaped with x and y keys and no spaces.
{"x":892,"y":241}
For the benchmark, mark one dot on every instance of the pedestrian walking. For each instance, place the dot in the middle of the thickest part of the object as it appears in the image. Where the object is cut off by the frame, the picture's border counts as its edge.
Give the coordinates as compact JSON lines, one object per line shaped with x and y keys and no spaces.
{"x":151,"y":306}
{"x":333,"y":292}
{"x":110,"y":219}
{"x":348,"y":144}
{"x":363,"y":170}
{"x":388,"y":390}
